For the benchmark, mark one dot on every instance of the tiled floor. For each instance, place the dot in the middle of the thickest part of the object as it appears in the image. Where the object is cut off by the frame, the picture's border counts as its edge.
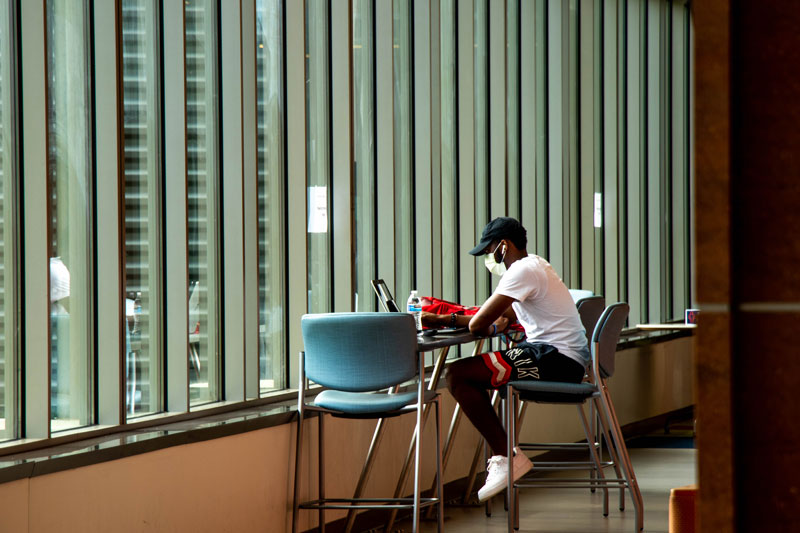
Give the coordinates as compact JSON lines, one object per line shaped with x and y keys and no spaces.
{"x":577,"y":510}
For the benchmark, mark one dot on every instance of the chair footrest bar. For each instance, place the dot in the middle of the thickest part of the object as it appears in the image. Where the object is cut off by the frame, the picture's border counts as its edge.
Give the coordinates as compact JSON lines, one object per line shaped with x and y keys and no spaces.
{"x":568,"y":466}
{"x":573,"y":481}
{"x":367,"y":503}
{"x":585,"y":485}
{"x":555,"y":446}
{"x":549,"y":465}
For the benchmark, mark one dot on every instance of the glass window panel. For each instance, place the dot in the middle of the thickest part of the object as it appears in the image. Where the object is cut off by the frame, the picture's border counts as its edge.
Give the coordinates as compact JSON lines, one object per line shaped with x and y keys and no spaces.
{"x":450,"y":255}
{"x":202,"y":161}
{"x":364,"y":152}
{"x":571,"y":272}
{"x":635,"y":279}
{"x":318,"y":151}
{"x":680,"y":160}
{"x":481,"y":84}
{"x":270,"y":120}
{"x":403,"y":155}
{"x":513,"y":106}
{"x":8,"y":180}
{"x":70,"y":194}
{"x":541,"y":245}
{"x":142,"y":164}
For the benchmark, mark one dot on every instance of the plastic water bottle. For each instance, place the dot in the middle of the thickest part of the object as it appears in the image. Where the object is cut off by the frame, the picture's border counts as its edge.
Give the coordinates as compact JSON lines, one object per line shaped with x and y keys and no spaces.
{"x":414,"y":307}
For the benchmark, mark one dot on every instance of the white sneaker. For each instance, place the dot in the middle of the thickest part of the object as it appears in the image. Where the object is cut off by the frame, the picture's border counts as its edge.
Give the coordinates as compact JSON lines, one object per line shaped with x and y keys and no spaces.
{"x":497,"y":473}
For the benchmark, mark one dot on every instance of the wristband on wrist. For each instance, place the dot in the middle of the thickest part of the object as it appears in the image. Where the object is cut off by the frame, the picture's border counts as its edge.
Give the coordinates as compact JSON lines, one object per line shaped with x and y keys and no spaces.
{"x":452,"y":320}
{"x":494,"y":329}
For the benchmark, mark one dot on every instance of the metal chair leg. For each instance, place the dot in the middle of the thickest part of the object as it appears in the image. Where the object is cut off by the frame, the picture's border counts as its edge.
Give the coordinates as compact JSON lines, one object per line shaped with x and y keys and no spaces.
{"x":321,"y":473}
{"x":295,"y":502}
{"x":511,"y":438}
{"x":598,"y":467}
{"x":622,"y":450}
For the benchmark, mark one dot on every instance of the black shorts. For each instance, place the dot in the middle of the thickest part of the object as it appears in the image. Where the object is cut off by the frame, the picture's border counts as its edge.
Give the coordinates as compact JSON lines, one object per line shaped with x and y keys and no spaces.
{"x":537,"y":361}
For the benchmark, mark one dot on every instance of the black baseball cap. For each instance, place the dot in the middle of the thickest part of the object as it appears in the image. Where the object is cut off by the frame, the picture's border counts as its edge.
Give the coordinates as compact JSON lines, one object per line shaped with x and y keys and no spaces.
{"x":497,"y":229}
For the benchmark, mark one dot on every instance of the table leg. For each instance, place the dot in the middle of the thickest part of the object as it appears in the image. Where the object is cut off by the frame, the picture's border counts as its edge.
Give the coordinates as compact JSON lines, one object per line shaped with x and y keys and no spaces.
{"x":434,"y":382}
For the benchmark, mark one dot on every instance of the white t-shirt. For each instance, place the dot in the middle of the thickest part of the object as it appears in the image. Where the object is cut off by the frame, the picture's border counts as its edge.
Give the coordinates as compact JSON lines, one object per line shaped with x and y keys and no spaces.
{"x":545,"y":307}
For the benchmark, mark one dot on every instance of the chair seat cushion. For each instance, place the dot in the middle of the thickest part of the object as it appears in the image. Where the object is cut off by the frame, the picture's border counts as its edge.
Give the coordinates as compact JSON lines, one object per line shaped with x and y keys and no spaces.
{"x":553,"y":391}
{"x":367,"y":403}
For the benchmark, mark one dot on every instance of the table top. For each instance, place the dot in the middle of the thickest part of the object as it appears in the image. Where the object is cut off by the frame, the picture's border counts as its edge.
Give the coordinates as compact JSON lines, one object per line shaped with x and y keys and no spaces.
{"x":428,"y":343}
{"x":676,"y":325}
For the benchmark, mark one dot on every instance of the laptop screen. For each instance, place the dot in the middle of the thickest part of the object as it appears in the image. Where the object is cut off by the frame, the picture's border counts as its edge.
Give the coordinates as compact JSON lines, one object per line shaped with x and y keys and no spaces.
{"x":385,"y":296}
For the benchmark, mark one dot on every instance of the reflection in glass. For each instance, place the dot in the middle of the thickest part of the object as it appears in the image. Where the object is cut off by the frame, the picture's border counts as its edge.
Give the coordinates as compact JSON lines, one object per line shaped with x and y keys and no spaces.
{"x":364,"y":152}
{"x":7,"y":257}
{"x":450,"y":256}
{"x":203,"y":201}
{"x":481,"y":84}
{"x":318,"y":149}
{"x":270,"y":120}
{"x":70,"y":193}
{"x":403,"y":155}
{"x":142,"y":165}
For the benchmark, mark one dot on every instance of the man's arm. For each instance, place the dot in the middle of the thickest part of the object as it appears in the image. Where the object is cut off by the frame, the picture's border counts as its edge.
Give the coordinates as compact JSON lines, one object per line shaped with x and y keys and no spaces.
{"x":494,"y":311}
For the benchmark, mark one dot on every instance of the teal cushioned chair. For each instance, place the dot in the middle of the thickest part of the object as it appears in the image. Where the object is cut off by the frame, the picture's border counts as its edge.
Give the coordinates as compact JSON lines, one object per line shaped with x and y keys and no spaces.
{"x":356,"y":357}
{"x":594,"y":390}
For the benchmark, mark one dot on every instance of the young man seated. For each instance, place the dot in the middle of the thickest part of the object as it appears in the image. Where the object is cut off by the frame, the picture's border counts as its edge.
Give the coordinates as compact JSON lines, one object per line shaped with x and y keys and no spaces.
{"x":555,"y":349}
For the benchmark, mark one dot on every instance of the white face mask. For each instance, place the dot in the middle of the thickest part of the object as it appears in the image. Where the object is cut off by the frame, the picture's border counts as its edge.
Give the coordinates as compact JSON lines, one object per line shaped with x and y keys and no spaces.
{"x":492,"y":265}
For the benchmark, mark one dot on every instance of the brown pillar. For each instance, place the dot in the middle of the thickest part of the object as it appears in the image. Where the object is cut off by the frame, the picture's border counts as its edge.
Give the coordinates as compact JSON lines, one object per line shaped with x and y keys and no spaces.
{"x":747,"y":231}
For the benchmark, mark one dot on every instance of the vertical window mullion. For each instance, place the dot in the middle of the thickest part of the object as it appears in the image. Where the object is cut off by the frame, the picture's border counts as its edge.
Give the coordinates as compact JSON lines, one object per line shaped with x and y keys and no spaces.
{"x":342,"y":198}
{"x":175,"y":218}
{"x":481,"y":203}
{"x":232,"y":38}
{"x":297,"y":191}
{"x":512,"y":107}
{"x":36,"y":401}
{"x":449,"y":232}
{"x":587,"y":140}
{"x":9,"y":222}
{"x":421,"y":144}
{"x":465,"y":56}
{"x":403,"y":149}
{"x":557,"y":124}
{"x":111,"y":338}
{"x":528,"y":114}
{"x":248,"y":207}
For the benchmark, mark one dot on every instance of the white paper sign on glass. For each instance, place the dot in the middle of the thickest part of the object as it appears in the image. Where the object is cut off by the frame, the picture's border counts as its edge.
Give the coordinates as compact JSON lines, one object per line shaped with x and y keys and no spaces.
{"x":317,"y":209}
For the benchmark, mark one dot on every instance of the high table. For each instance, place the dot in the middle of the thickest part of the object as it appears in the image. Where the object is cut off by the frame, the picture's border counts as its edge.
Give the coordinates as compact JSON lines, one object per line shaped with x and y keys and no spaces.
{"x":426,"y":343}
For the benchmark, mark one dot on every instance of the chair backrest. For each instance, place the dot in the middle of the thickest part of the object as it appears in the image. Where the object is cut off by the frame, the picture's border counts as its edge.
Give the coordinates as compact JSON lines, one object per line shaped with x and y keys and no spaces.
{"x":359,"y":352}
{"x":590,"y":309}
{"x":579,"y":294}
{"x":606,"y":335}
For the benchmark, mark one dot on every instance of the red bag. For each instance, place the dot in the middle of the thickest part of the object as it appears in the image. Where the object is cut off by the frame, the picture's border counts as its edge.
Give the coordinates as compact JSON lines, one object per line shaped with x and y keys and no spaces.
{"x":443,"y":307}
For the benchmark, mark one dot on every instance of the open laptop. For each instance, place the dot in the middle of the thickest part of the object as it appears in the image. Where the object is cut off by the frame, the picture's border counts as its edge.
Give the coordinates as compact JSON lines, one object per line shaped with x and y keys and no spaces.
{"x":389,"y":305}
{"x":385,"y":296}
